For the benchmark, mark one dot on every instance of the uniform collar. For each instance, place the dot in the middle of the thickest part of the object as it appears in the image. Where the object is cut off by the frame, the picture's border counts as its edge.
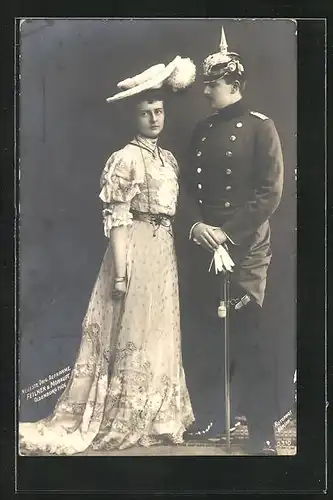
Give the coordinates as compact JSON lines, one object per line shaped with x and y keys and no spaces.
{"x":229,"y":112}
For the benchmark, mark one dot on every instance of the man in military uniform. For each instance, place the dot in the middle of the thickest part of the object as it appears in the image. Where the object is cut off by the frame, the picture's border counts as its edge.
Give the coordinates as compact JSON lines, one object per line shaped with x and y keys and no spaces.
{"x":234,"y":180}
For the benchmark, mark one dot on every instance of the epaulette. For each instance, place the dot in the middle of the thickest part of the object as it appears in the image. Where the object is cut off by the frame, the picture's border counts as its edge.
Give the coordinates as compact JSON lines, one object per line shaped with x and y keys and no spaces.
{"x":207,"y":120}
{"x":259,"y":115}
{"x":202,"y":125}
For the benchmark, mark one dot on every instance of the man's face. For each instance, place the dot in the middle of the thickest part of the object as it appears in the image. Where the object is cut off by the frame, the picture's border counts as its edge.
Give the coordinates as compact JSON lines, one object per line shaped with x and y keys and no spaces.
{"x":219,"y":93}
{"x":150,"y":118}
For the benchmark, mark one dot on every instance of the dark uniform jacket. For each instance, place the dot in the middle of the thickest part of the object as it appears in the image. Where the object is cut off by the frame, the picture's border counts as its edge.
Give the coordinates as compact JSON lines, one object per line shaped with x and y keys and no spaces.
{"x":234,"y":178}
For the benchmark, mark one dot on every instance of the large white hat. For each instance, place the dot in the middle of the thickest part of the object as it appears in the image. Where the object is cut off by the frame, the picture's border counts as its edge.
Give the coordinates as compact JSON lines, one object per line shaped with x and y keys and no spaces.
{"x":178,"y":74}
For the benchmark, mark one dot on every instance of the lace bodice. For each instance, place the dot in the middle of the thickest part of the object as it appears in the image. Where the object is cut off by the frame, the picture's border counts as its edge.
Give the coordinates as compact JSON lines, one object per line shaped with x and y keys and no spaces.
{"x":142,"y":177}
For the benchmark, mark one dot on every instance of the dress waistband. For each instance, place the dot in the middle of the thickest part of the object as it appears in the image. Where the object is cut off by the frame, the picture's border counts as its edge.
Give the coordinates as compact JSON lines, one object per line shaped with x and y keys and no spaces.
{"x":158,"y":219}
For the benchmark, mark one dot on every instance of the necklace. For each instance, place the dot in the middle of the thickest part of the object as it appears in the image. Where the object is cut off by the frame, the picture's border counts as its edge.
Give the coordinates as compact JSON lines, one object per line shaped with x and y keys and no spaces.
{"x":144,"y":143}
{"x":150,"y":145}
{"x":157,"y":220}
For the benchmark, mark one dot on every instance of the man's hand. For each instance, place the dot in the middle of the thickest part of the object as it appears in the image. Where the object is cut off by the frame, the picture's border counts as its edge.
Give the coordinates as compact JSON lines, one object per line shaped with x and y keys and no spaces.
{"x":220,"y":235}
{"x":210,"y":237}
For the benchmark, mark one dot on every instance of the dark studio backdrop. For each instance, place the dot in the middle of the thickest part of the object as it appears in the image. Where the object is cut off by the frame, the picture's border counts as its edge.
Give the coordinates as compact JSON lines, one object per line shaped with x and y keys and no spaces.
{"x":67,"y":131}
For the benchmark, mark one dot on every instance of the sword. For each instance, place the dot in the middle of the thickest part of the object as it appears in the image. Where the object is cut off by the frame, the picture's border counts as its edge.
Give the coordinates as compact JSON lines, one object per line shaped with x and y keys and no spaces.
{"x":224,"y":264}
{"x":223,"y":313}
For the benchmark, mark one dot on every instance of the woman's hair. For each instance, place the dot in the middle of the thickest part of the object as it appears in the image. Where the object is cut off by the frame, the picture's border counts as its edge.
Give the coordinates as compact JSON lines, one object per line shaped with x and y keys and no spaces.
{"x":126,"y":108}
{"x":150,"y":96}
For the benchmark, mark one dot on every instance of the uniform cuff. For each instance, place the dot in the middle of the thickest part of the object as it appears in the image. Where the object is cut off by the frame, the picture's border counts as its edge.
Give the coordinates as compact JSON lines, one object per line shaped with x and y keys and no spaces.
{"x":191,"y":230}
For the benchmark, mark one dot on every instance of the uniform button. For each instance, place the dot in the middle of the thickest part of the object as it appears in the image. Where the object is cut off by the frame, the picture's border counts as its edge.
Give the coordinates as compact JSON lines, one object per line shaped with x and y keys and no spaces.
{"x":200,"y":201}
{"x":239,"y":124}
{"x":228,"y":171}
{"x":203,"y":139}
{"x":229,"y":154}
{"x":227,"y":188}
{"x":227,"y":204}
{"x":199,"y":153}
{"x":232,"y":138}
{"x":199,"y":170}
{"x":200,"y":186}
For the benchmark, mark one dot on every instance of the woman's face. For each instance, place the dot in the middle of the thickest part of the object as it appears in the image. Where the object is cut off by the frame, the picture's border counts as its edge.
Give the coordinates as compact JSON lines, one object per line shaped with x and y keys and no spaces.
{"x":150,"y":118}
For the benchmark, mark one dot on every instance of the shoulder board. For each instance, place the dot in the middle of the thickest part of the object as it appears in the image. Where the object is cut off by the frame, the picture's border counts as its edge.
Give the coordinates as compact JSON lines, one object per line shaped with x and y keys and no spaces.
{"x":206,"y":121}
{"x":259,"y":115}
{"x":200,"y":126}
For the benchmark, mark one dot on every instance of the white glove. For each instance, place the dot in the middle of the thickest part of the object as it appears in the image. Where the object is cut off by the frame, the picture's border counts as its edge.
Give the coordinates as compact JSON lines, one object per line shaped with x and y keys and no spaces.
{"x":222,"y":260}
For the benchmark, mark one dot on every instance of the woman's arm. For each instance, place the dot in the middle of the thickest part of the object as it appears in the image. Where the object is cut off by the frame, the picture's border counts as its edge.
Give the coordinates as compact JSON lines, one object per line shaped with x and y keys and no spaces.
{"x":118,"y":187}
{"x":118,"y":238}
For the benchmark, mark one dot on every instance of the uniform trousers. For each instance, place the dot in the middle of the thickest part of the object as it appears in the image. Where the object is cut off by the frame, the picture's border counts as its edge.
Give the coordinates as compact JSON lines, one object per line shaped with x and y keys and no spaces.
{"x":251,"y":371}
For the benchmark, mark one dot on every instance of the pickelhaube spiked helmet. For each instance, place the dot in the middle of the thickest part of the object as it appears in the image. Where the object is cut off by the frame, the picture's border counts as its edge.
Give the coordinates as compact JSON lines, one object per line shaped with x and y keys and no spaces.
{"x":222,"y":63}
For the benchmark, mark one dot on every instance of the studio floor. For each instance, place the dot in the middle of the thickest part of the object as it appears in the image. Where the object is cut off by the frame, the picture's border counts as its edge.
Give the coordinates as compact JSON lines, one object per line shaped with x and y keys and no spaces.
{"x":285,"y":438}
{"x":188,"y":450}
{"x":286,"y":445}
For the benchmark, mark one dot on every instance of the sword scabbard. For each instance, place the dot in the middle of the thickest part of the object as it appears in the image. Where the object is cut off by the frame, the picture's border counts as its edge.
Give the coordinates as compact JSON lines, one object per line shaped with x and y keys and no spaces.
{"x":223,"y":313}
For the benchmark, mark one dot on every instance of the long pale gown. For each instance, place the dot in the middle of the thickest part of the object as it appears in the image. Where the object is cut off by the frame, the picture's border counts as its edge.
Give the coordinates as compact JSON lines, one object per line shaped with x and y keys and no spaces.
{"x":127,"y":386}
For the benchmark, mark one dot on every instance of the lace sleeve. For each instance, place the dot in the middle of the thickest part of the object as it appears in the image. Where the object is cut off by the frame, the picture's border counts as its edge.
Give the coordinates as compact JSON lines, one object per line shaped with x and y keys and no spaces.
{"x":119,"y":185}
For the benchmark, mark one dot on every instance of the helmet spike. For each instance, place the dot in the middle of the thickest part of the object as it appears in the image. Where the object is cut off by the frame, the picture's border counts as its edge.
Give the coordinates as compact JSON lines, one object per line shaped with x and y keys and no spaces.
{"x":223,"y":42}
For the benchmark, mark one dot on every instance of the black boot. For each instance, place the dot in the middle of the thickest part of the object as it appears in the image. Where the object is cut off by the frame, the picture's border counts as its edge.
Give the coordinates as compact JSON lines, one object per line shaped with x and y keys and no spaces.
{"x":264,"y":447}
{"x":261,"y":442}
{"x":207,"y":431}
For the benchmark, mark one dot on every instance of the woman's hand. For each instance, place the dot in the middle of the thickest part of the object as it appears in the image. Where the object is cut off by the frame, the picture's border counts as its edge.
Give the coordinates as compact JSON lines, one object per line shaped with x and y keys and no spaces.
{"x":119,"y":288}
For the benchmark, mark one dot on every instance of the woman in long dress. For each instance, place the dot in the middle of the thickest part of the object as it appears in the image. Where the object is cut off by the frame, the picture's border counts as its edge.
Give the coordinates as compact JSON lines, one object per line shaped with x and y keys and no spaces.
{"x":127,"y":386}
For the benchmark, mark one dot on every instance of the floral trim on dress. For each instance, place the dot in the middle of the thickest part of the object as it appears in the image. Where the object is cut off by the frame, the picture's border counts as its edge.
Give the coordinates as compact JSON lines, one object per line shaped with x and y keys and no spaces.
{"x":127,"y":386}
{"x":135,"y":178}
{"x":139,"y":406}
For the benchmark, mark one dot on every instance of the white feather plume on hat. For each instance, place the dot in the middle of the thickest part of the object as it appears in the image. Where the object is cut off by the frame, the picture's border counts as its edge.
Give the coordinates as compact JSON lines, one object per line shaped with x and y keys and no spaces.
{"x":178,"y":74}
{"x":183,"y":75}
{"x":132,"y":82}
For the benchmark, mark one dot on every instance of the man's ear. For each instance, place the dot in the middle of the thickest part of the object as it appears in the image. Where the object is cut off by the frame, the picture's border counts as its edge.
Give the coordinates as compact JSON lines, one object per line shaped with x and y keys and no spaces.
{"x":236,"y":86}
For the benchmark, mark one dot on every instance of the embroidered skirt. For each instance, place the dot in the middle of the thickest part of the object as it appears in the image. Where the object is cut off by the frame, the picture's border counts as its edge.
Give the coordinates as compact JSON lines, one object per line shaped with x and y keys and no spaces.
{"x":128,"y":385}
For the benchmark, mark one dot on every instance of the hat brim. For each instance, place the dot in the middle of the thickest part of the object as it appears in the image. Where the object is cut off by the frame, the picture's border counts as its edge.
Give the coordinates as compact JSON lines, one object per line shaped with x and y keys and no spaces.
{"x":214,"y":78}
{"x":153,"y":82}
